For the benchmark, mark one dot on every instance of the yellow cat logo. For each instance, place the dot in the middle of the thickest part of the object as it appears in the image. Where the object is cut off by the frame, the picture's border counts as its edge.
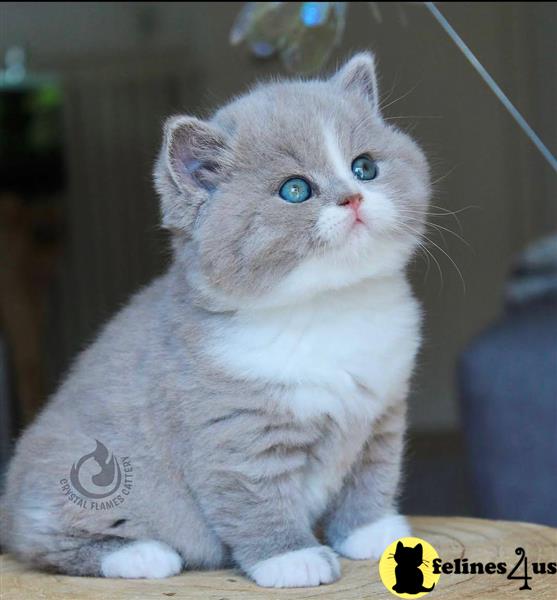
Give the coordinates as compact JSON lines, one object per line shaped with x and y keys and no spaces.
{"x":406,"y":568}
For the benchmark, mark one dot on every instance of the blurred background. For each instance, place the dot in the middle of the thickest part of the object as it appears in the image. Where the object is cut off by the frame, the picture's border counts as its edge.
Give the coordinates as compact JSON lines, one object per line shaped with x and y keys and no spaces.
{"x":86,"y":87}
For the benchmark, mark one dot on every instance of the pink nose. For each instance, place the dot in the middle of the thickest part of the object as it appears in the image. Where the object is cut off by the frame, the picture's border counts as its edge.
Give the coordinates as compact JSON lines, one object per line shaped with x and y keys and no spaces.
{"x":353,"y":201}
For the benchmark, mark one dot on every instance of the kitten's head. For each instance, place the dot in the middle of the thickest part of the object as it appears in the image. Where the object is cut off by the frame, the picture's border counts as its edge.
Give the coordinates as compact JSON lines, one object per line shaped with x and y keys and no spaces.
{"x":293,"y":189}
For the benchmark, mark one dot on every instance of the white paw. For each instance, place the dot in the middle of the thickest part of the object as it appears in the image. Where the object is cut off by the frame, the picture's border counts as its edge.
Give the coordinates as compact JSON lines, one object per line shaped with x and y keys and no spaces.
{"x":300,"y":568}
{"x":147,"y":559}
{"x":371,"y":540}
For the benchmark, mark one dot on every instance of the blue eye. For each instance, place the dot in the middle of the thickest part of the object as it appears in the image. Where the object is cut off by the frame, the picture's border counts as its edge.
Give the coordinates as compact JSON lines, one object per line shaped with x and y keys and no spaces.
{"x":295,"y":190}
{"x":364,"y":168}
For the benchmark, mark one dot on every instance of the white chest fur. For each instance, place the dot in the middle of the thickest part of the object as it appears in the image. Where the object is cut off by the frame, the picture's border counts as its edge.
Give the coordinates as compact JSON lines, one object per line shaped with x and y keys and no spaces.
{"x":343,"y":353}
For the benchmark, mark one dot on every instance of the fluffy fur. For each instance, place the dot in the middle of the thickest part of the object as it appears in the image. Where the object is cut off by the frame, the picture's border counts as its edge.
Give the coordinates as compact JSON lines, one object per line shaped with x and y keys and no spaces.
{"x":259,"y":386}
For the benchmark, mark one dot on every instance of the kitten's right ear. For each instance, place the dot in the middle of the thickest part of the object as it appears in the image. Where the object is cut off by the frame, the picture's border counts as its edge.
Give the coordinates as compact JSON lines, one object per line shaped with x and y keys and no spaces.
{"x":194,"y":151}
{"x":399,"y":546}
{"x":191,"y":163}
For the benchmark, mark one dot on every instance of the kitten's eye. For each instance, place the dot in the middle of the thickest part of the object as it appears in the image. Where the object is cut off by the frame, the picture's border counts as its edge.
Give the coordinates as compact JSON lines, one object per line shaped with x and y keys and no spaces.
{"x":295,"y":190}
{"x":365,"y":168}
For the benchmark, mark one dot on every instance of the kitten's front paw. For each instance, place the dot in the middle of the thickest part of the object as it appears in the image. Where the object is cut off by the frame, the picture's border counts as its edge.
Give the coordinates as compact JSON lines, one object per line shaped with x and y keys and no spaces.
{"x":147,"y":559}
{"x":300,"y":568}
{"x":371,"y":540}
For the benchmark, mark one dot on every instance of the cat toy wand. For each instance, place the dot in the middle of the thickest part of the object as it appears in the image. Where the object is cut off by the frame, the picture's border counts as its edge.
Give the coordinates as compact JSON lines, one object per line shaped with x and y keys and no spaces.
{"x":492,"y":84}
{"x":305,"y":33}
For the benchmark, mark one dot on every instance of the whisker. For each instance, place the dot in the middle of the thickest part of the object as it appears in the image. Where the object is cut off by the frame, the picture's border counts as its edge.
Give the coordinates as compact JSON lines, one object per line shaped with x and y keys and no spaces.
{"x":454,"y":215}
{"x":446,"y":212}
{"x":399,"y":98}
{"x":414,"y":117}
{"x":392,"y":90}
{"x":435,"y":181}
{"x":424,"y":252}
{"x":454,"y":212}
{"x":436,"y":226}
{"x":429,"y":253}
{"x":423,"y":248}
{"x":452,"y":262}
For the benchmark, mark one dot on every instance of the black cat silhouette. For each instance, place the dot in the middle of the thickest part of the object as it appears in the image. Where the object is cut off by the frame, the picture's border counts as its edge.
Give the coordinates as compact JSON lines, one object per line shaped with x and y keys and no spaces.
{"x":409,"y":577}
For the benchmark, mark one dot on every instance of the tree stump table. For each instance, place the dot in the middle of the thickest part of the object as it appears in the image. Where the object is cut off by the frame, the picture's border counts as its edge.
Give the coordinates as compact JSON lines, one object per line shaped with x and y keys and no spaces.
{"x":477,"y":540}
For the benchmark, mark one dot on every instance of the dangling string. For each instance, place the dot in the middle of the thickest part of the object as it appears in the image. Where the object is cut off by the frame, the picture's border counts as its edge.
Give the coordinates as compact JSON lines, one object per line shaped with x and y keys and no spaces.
{"x":534,"y":137}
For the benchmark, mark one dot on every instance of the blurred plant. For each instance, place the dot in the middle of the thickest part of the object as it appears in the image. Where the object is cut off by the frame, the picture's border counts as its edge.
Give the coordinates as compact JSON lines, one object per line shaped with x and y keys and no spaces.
{"x":31,"y":129}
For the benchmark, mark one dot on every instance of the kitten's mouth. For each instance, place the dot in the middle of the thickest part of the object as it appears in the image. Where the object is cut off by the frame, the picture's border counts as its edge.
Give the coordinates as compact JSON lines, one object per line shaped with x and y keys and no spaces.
{"x":357,"y":232}
{"x":358,"y":223}
{"x":337,"y":229}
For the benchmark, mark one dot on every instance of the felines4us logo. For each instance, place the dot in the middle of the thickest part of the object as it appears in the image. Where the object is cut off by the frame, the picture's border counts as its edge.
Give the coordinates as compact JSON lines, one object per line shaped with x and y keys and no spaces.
{"x":410,"y":568}
{"x":98,"y":480}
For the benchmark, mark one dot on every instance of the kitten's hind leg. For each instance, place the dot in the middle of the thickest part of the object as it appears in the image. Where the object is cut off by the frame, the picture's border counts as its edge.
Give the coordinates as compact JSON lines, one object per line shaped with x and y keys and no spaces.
{"x":107,"y":556}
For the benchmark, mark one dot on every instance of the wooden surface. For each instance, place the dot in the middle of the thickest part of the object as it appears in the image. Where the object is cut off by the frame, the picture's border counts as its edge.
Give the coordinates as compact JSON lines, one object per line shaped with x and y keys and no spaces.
{"x":485,"y":541}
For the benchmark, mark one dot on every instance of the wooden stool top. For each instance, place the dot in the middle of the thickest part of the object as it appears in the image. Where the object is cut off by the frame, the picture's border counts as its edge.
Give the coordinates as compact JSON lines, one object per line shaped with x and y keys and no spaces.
{"x":453,"y":537}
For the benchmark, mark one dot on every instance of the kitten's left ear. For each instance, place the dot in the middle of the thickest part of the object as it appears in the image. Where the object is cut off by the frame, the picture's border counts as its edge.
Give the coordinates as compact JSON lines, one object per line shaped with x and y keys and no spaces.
{"x":359,"y":75}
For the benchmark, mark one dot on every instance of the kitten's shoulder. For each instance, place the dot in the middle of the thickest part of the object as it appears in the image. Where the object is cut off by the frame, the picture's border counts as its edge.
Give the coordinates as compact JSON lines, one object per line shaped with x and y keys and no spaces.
{"x":131,"y":337}
{"x":142,"y":314}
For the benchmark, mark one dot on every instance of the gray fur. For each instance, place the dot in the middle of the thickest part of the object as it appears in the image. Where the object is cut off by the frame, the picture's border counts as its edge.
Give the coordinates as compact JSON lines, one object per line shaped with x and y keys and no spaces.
{"x":216,"y":457}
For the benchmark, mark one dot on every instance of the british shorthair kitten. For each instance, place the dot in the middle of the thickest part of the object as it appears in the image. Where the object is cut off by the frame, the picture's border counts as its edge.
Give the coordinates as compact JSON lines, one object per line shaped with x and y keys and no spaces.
{"x":258,"y":388}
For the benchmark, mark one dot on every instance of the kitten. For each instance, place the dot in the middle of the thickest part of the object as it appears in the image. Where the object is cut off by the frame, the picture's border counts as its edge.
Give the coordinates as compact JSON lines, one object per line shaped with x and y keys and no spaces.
{"x":258,"y":388}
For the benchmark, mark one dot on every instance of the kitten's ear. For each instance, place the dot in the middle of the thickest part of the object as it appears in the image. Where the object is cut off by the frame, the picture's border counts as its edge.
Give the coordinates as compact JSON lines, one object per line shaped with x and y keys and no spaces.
{"x":195,"y":152}
{"x":399,"y":547}
{"x":358,"y":75}
{"x":191,"y":163}
{"x":419,"y":549}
